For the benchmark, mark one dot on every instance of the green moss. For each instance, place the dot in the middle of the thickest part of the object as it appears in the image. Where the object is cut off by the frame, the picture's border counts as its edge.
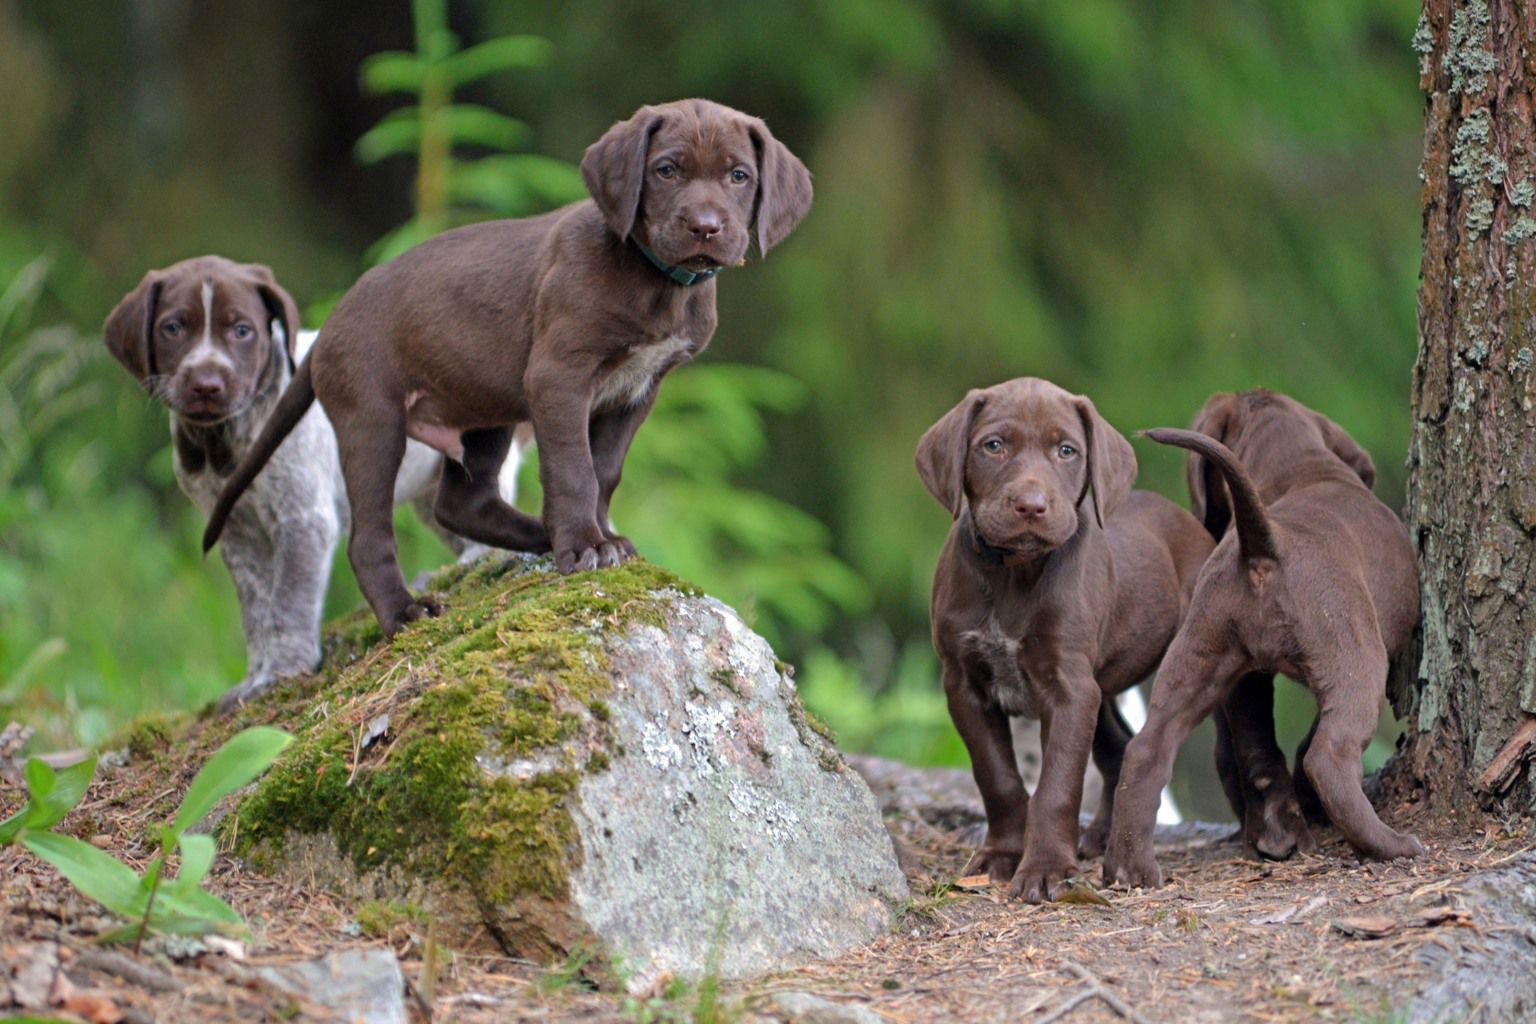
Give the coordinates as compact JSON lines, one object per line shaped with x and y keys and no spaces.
{"x":807,"y":725}
{"x":727,"y":678}
{"x":511,"y":671}
{"x":379,"y":918}
{"x":149,"y":736}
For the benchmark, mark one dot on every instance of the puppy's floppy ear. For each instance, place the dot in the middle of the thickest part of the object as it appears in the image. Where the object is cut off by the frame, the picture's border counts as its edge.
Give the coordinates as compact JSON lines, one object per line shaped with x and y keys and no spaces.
{"x":783,"y":188}
{"x":130,"y":327}
{"x":614,"y":169}
{"x":1207,"y":490}
{"x":1111,"y":461}
{"x":1345,"y":447}
{"x":942,"y":452}
{"x":280,"y":307}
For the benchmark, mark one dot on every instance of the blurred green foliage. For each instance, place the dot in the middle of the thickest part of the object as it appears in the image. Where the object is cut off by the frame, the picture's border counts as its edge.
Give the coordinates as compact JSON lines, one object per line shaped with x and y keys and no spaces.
{"x":1143,"y":202}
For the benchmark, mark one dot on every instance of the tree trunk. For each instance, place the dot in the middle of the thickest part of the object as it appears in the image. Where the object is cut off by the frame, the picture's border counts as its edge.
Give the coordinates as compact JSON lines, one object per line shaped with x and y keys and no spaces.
{"x":1468,"y":689}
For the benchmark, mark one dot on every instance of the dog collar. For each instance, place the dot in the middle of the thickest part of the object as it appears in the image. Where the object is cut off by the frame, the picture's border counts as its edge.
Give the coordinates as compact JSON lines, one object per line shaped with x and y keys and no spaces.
{"x":683,"y":277}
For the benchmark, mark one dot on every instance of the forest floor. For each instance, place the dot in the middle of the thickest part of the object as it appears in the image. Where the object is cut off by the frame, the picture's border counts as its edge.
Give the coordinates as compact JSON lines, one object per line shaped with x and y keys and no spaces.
{"x":1230,"y":938}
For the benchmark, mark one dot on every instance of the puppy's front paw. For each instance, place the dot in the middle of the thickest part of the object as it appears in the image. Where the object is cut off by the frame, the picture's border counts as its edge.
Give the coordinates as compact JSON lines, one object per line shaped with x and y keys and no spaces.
{"x":1042,"y":878}
{"x":601,"y":555}
{"x":624,"y":544}
{"x":1132,"y":865}
{"x":422,"y":608}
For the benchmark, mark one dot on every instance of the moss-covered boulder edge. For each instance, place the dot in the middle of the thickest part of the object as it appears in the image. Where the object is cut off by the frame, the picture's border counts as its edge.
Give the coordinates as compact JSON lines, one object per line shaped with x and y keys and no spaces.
{"x":455,"y":768}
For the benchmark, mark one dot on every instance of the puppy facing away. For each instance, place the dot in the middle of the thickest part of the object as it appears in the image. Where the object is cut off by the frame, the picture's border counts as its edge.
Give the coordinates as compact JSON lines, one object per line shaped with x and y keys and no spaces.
{"x":1057,"y":588}
{"x":567,"y":320}
{"x":216,"y":342}
{"x":1316,"y":579}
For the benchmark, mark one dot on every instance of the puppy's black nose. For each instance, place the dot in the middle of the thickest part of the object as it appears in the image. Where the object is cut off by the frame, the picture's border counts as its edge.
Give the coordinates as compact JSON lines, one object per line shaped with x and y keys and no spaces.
{"x":1030,"y":505}
{"x":705,"y":225}
{"x":207,"y":385}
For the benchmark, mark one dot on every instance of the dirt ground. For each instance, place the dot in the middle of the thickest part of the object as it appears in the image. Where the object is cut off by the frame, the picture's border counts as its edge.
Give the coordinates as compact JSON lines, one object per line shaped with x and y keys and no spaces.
{"x":1231,"y":938}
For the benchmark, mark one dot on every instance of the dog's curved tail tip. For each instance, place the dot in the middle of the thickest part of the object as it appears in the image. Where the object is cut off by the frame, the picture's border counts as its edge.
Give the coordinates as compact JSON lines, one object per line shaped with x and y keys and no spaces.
{"x":1255,"y":533}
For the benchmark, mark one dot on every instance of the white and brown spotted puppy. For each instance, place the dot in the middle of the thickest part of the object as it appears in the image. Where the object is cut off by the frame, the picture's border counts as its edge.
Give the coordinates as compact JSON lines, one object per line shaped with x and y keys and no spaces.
{"x":217,"y":342}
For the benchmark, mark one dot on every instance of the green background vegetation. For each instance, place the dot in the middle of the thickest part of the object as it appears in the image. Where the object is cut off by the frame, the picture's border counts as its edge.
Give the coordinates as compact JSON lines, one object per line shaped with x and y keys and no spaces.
{"x":1146,"y":203}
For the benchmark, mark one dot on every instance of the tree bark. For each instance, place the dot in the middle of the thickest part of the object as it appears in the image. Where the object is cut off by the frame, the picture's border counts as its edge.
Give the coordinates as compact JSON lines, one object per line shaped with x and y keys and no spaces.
{"x":1467,"y":688}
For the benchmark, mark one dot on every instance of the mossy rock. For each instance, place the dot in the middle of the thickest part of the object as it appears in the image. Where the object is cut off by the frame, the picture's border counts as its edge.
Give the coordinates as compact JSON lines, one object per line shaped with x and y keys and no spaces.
{"x":607,"y":762}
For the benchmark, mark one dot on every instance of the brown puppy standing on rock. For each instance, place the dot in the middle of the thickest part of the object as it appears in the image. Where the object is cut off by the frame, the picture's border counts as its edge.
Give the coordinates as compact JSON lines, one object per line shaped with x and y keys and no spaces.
{"x":568,"y":320}
{"x":1046,"y":603}
{"x":1316,"y":580}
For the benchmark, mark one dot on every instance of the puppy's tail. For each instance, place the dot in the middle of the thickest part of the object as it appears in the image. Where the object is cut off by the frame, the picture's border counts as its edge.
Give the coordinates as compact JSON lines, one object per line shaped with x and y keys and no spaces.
{"x":1255,"y":533}
{"x":291,"y":407}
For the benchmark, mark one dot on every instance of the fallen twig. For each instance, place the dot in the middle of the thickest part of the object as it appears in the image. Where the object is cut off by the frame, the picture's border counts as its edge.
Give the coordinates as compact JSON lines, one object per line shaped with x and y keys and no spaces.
{"x":126,"y":967}
{"x":1095,"y":989}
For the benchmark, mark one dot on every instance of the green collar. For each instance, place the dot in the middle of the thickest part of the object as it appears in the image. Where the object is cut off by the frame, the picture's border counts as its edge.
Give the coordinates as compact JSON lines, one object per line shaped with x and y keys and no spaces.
{"x":678,"y":274}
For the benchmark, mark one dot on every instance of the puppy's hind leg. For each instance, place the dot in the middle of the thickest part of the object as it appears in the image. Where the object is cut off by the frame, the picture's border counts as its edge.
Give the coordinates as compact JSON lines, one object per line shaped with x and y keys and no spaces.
{"x":1271,"y":815}
{"x":1348,"y":684}
{"x":370,"y":461}
{"x":470,"y":504}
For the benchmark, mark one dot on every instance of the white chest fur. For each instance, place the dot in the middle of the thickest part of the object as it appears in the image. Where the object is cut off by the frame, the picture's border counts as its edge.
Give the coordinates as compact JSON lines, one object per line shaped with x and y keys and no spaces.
{"x":631,"y":380}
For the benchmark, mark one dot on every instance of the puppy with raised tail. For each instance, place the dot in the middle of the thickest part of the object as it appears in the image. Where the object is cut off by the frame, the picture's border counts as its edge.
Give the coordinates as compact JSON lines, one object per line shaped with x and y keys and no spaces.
{"x":1314,"y":577}
{"x":567,"y":320}
{"x":216,"y":341}
{"x":1058,"y":588}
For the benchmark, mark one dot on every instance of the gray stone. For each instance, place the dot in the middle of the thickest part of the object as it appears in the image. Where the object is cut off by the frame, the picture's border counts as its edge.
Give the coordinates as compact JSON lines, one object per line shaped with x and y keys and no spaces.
{"x":32,"y":968}
{"x":360,"y":985}
{"x":688,"y":819}
{"x":805,"y":1008}
{"x":1488,"y":974}
{"x":730,"y":837}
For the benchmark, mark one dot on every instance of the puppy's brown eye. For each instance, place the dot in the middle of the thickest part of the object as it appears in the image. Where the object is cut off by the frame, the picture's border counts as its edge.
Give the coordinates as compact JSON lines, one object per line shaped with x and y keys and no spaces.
{"x":171,"y":329}
{"x":667,"y":171}
{"x":740,"y":177}
{"x":991,"y":446}
{"x":243,"y":332}
{"x":1066,"y":450}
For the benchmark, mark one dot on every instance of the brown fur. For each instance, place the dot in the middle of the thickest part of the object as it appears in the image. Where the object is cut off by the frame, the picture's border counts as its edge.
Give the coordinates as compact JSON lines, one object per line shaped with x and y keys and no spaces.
{"x":1317,"y":580}
{"x":1058,"y":588}
{"x":558,"y":320}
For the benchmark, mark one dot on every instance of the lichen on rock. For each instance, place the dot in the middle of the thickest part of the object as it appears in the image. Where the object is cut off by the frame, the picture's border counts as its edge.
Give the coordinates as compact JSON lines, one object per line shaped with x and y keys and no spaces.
{"x":607,"y":761}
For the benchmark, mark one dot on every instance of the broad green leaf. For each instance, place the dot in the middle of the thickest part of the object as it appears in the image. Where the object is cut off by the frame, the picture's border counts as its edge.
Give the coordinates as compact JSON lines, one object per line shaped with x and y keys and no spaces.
{"x":497,"y":55}
{"x":391,"y":72}
{"x":192,"y":912}
{"x":41,"y":778}
{"x":474,"y":125}
{"x":10,"y":828}
{"x":398,"y":133}
{"x":237,"y":762}
{"x":70,"y":785}
{"x":196,"y":858}
{"x":101,"y":877}
{"x":52,"y":796}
